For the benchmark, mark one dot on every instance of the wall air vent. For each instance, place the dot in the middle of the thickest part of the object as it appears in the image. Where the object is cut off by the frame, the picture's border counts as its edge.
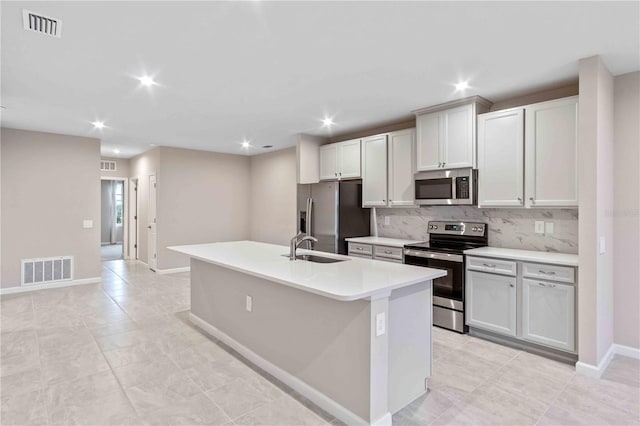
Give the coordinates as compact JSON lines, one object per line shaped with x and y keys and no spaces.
{"x":47,"y":270}
{"x":41,"y":24}
{"x":107,"y":166}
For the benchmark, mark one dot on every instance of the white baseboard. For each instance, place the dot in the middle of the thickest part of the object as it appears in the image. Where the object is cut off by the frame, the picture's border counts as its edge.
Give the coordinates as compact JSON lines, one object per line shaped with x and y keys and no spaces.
{"x":35,"y":287}
{"x":626,"y":351}
{"x":173,"y":270}
{"x":315,"y":396}
{"x":597,"y":371}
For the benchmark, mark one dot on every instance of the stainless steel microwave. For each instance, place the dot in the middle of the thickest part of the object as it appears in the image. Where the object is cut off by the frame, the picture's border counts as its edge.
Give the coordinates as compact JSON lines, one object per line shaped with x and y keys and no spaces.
{"x":446,"y":187}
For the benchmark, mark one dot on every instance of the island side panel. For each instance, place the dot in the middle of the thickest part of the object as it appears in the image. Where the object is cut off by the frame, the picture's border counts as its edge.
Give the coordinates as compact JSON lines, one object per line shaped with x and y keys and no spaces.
{"x":410,"y":346}
{"x":323,"y":342}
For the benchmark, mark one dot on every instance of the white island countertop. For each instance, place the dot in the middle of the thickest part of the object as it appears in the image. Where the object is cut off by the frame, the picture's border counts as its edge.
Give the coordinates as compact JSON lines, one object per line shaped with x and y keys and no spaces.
{"x":352,"y":279}
{"x":552,"y":258}
{"x":382,"y":241}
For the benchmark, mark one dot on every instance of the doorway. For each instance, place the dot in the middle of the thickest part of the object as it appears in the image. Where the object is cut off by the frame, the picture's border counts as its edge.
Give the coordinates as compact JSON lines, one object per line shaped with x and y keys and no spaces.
{"x":113,"y":219}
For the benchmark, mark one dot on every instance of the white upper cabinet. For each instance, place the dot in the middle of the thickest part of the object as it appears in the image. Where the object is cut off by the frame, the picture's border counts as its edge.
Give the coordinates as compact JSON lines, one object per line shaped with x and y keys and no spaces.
{"x":447,"y":134}
{"x":340,"y":160}
{"x":374,"y":171}
{"x":428,"y":147}
{"x":501,"y":158}
{"x":458,"y":138}
{"x":551,"y":152}
{"x":349,"y":159}
{"x":401,"y":179}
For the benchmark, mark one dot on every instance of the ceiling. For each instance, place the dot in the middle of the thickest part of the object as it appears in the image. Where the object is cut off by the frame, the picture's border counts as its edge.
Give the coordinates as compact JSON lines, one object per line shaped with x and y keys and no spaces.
{"x":265,"y":71}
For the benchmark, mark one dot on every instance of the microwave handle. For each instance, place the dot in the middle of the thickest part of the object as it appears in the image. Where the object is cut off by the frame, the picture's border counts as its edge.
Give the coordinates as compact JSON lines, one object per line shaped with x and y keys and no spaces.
{"x":454,"y":188}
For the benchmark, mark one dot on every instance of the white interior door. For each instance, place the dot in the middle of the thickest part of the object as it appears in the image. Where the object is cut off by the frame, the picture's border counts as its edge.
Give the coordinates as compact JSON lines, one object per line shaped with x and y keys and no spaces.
{"x":152,"y":232}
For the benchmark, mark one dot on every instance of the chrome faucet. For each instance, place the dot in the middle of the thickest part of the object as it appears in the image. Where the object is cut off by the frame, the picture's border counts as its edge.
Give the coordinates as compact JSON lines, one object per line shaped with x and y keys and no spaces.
{"x":295,"y":243}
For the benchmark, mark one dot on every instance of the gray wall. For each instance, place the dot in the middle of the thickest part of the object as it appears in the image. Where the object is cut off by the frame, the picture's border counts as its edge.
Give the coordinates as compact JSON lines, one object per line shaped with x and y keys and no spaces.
{"x":50,"y":184}
{"x":510,"y":228}
{"x":273,"y":196}
{"x":123,"y":167}
{"x":626,"y":213}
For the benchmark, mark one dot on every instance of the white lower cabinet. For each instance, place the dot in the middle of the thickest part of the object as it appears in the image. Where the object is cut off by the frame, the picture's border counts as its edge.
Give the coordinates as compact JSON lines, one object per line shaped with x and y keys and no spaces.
{"x":548,"y":315}
{"x":491,"y":302}
{"x":531,"y":302}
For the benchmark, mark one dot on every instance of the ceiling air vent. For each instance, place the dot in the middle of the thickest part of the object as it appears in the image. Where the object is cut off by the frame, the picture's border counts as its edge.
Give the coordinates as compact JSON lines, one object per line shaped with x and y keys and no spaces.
{"x":41,"y":24}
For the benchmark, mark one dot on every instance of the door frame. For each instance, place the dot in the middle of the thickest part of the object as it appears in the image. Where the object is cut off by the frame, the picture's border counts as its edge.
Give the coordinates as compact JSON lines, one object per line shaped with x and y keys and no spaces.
{"x":125,"y":212}
{"x":152,"y":249}
{"x":134,"y":201}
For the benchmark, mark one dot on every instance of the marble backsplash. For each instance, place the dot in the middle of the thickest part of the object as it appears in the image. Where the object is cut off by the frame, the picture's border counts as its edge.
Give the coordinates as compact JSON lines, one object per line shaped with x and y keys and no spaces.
{"x":508,"y":228}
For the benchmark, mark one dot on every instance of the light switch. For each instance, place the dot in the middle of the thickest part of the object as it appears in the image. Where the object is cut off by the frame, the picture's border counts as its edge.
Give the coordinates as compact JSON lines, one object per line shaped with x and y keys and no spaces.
{"x":249,"y":304}
{"x":381,"y":326}
{"x":87,"y":223}
{"x":539,"y":227}
{"x":601,"y":246}
{"x":387,"y":220}
{"x":548,"y":227}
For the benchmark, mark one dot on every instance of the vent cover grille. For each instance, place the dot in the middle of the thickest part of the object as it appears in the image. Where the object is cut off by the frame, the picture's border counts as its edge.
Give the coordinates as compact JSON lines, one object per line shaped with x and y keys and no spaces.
{"x":41,"y":24}
{"x":47,"y":270}
{"x":107,"y":166}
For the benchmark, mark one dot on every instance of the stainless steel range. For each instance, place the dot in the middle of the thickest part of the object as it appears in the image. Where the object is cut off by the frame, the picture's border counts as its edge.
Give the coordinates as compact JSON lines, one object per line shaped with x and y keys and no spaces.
{"x":444,"y":250}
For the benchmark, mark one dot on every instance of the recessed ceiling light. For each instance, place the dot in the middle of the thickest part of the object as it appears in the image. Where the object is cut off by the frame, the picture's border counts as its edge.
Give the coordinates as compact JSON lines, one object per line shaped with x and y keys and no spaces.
{"x":246,"y":144}
{"x":117,"y":151}
{"x":147,"y":81}
{"x":327,"y":122}
{"x":463,"y":85}
{"x":98,"y":124}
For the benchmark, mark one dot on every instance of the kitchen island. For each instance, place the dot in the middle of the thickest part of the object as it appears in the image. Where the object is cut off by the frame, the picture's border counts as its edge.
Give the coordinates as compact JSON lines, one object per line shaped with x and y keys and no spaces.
{"x":352,"y":336}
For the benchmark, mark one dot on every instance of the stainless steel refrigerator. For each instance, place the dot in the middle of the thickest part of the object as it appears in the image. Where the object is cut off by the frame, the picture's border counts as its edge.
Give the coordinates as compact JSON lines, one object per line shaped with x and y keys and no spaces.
{"x":331,"y":212}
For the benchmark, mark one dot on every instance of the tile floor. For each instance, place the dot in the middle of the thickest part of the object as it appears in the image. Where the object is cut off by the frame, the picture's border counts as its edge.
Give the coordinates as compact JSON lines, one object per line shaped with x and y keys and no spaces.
{"x":122,"y":352}
{"x":111,"y":252}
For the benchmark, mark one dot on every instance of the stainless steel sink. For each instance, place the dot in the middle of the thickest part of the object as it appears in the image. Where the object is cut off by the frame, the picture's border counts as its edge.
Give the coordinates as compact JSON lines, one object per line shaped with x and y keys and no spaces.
{"x":317,"y":259}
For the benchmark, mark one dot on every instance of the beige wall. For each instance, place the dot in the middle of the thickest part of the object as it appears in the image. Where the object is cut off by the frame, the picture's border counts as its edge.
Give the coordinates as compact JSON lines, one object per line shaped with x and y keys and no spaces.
{"x":595,"y":170}
{"x":202,"y":197}
{"x":50,"y":184}
{"x":626,"y":214}
{"x":123,"y":167}
{"x":273,"y":196}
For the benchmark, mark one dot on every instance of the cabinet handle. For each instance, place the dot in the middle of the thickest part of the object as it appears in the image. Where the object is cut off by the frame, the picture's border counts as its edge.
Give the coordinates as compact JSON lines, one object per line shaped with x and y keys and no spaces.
{"x":511,"y":285}
{"x":384,"y":201}
{"x":532,"y":200}
{"x":359,"y":248}
{"x":388,"y":252}
{"x":546,"y":273}
{"x":439,"y":165}
{"x":335,"y":173}
{"x":520,"y":200}
{"x":443,"y":164}
{"x":547,"y":285}
{"x":340,"y":174}
{"x":489,"y":265}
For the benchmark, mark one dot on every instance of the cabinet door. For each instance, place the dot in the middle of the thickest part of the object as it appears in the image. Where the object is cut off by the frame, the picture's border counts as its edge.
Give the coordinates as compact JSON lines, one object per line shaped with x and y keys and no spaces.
{"x":501,"y":159}
{"x":548,"y":314}
{"x":551,"y":149}
{"x":428,"y":145}
{"x":349,"y":158}
{"x":374,"y":171}
{"x":457,"y":137}
{"x":491,"y":302}
{"x":401,"y":179}
{"x":329,"y":161}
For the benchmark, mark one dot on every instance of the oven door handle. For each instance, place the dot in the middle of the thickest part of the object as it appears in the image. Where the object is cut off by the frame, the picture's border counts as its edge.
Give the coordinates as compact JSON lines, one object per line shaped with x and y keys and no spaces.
{"x":438,"y":256}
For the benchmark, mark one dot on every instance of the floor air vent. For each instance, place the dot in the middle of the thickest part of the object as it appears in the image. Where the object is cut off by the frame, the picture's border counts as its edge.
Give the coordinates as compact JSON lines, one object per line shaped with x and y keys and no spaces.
{"x":107,"y":166}
{"x":47,"y":270}
{"x":41,"y":24}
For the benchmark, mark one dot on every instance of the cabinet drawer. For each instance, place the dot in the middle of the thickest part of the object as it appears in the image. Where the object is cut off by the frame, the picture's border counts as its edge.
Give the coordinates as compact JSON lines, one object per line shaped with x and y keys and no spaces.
{"x":357,"y":248}
{"x":388,"y":252}
{"x":564,"y":274}
{"x":361,"y":256}
{"x":496,"y":266}
{"x":388,"y":259}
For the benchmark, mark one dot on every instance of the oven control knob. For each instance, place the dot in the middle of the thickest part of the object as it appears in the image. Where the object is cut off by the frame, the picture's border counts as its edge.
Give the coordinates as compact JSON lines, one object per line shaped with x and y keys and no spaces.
{"x":474,"y":229}
{"x":435,"y":226}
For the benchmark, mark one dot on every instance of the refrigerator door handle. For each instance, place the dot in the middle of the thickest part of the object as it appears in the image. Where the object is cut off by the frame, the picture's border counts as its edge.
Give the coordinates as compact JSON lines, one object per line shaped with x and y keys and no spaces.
{"x":309,"y":220}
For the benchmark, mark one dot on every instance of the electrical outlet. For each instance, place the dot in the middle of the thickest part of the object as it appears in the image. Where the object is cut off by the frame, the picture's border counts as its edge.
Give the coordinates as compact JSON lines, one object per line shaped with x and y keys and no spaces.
{"x":539,"y":227}
{"x":548,"y":227}
{"x":602,"y":247}
{"x":387,"y":220}
{"x":381,"y":325}
{"x":87,"y":223}
{"x":249,"y":304}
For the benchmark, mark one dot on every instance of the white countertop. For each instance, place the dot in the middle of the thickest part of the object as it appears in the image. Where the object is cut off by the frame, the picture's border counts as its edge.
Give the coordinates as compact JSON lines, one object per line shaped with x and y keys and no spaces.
{"x":352,"y":279}
{"x":526,"y":255}
{"x":382,"y":241}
